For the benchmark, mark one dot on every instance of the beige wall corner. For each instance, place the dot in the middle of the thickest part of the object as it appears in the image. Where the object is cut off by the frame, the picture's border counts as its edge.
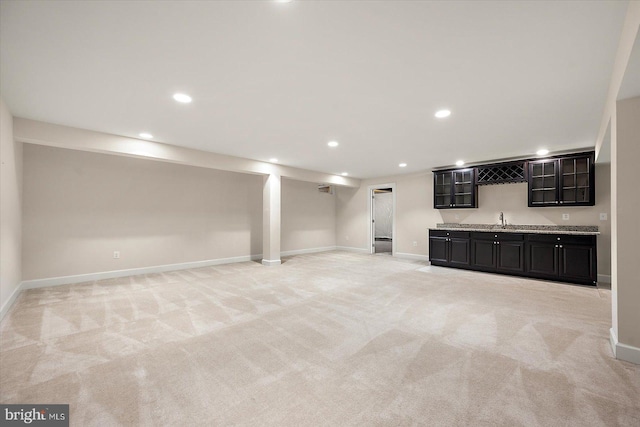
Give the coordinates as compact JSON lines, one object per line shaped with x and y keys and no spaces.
{"x":10,"y":212}
{"x":414,"y":214}
{"x":308,"y":219}
{"x":625,"y":150}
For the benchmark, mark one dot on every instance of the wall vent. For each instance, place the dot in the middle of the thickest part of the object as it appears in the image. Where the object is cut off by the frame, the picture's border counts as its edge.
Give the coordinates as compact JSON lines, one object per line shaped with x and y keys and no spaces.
{"x":503,"y":173}
{"x":325,"y":189}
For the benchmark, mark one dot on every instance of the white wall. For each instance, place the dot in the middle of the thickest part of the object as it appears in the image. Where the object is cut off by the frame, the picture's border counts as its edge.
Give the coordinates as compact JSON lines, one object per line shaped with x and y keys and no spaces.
{"x":415,"y":213}
{"x":308,"y":216}
{"x":10,"y":210}
{"x":80,"y":207}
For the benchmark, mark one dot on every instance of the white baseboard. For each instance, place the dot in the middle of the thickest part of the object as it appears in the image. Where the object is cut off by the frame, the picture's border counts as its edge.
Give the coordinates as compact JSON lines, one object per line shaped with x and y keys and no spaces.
{"x":79,"y":278}
{"x":622,"y":351}
{"x":271,"y":262}
{"x":604,"y":278}
{"x":413,"y":257}
{"x":352,"y":249}
{"x":308,"y":251}
{"x":7,"y":305}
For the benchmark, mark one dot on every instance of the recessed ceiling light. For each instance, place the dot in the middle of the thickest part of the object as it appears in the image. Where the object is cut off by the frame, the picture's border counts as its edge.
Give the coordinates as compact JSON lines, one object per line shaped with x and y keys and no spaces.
{"x":441,"y":114}
{"x":460,"y":163}
{"x":542,"y":152}
{"x":145,"y":135}
{"x":273,"y":160}
{"x":333,"y":143}
{"x":345,"y":174}
{"x":182,"y":97}
{"x":403,"y":165}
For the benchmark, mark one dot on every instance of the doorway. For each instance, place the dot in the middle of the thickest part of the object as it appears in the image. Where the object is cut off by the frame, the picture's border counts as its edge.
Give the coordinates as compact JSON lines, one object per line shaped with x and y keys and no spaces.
{"x":382,"y":219}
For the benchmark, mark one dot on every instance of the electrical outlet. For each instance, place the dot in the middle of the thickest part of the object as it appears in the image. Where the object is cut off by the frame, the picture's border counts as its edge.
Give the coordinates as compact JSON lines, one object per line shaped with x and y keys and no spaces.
{"x":603,"y":217}
{"x":565,"y":217}
{"x":346,"y":237}
{"x":415,"y":243}
{"x":116,"y":254}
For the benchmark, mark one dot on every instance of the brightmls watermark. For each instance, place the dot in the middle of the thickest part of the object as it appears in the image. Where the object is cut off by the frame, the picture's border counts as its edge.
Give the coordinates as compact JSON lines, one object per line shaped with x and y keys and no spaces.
{"x":35,"y":415}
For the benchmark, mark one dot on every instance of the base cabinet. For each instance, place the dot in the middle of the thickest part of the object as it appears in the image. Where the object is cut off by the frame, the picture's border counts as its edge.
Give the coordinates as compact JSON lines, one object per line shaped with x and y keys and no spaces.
{"x":502,"y":252}
{"x":570,"y":258}
{"x":542,"y":259}
{"x":567,"y":258}
{"x":449,"y":248}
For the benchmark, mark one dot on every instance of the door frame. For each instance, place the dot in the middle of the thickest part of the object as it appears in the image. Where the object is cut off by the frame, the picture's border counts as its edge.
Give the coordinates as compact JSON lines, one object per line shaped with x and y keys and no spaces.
{"x":370,"y":205}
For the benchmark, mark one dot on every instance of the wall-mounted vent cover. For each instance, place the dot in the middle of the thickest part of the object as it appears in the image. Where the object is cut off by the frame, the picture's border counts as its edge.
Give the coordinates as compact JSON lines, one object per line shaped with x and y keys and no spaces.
{"x":504,"y":173}
{"x":325,"y":189}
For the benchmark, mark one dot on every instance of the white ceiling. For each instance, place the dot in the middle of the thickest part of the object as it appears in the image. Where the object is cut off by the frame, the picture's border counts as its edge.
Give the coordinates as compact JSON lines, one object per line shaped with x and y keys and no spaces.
{"x":280,"y":80}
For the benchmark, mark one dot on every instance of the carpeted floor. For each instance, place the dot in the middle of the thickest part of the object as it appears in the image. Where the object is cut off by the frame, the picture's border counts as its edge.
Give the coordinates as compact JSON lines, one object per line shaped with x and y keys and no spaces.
{"x":325,"y":339}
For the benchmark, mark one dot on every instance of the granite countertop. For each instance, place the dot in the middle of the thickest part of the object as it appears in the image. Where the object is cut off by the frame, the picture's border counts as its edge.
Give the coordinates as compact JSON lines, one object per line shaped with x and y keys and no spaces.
{"x":515,"y":228}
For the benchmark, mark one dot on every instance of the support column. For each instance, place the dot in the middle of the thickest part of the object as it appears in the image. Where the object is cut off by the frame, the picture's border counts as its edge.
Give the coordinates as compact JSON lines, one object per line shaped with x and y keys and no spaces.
{"x":271,"y":220}
{"x":625,"y":230}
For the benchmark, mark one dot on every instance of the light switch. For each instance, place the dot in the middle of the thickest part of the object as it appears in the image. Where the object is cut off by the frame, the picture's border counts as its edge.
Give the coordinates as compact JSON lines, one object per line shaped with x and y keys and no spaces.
{"x":603,"y":217}
{"x":565,"y":217}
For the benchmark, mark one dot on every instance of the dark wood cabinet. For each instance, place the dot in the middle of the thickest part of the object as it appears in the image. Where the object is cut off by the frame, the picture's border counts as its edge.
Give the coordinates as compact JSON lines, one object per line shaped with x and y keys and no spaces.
{"x":449,"y":248}
{"x":454,"y":189}
{"x":561,"y":257}
{"x":564,"y":181}
{"x":570,"y":258}
{"x":542,"y":259}
{"x":502,"y":252}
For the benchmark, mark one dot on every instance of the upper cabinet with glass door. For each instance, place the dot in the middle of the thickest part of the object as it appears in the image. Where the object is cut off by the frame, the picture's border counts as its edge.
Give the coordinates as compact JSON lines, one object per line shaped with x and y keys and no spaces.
{"x":455,"y":189}
{"x":566,"y":181}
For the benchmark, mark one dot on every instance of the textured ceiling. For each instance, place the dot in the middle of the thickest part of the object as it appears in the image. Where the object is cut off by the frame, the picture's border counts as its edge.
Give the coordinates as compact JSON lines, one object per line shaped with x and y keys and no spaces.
{"x":280,"y":80}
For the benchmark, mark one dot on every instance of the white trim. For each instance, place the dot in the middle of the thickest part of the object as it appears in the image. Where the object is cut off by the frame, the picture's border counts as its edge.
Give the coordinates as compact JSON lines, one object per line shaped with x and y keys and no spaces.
{"x":352,"y":249}
{"x":604,"y":278}
{"x":414,"y":257}
{"x":624,"y":352}
{"x":613,"y":340}
{"x":371,"y":232}
{"x":307,"y":251}
{"x":79,"y":278}
{"x":271,"y":262}
{"x":7,"y":305}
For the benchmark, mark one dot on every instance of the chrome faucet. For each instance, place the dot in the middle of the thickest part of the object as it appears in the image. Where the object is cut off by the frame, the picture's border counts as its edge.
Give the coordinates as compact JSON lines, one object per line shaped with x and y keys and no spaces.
{"x":502,"y":220}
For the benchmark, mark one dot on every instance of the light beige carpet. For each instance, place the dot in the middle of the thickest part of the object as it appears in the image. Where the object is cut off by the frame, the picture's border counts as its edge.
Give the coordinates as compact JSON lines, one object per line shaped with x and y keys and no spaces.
{"x":325,"y":339}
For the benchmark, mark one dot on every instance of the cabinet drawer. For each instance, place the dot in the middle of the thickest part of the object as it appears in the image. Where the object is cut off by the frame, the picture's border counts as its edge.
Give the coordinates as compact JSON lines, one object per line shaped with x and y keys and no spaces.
{"x":504,"y":237}
{"x":449,"y":233}
{"x":571,"y":239}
